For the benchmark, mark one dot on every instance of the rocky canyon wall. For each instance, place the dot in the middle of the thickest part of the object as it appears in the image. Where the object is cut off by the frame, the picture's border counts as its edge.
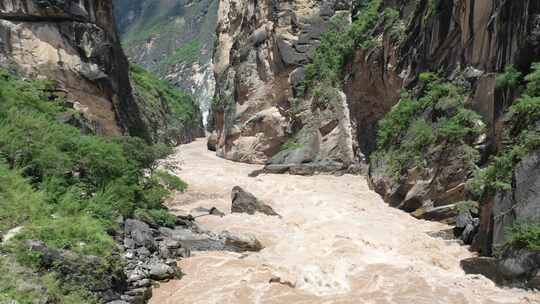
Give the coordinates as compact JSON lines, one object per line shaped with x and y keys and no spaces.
{"x":262,"y":47}
{"x":411,"y":87}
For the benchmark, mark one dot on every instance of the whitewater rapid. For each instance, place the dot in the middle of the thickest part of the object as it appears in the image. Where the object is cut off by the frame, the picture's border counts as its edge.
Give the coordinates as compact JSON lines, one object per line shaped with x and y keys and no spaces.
{"x":336,"y":242}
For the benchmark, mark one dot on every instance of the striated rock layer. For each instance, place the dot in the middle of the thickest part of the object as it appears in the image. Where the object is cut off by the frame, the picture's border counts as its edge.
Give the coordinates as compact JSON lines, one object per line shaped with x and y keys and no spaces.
{"x":262,"y":47}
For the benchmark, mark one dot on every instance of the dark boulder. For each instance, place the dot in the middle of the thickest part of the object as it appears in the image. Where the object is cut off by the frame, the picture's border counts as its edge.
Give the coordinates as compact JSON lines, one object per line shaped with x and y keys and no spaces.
{"x":140,"y":233}
{"x":485,"y":266}
{"x":245,"y":202}
{"x":515,"y":267}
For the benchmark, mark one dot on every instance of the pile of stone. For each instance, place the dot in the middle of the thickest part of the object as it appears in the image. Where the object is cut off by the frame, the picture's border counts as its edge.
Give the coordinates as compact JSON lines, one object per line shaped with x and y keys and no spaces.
{"x":151,"y":252}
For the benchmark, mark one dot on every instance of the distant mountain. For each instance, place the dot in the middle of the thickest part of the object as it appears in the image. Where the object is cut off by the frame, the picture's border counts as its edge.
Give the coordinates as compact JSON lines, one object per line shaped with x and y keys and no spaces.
{"x":172,"y":38}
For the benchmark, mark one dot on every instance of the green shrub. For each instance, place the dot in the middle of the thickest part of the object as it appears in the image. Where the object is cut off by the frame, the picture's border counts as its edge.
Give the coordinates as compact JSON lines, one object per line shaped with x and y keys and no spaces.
{"x":338,"y":44}
{"x":533,"y":80}
{"x":403,"y":140}
{"x":157,"y":92}
{"x":510,"y":79}
{"x":81,"y":234}
{"x":187,"y":53}
{"x":395,"y":121}
{"x":291,"y":144}
{"x":141,"y":154}
{"x":65,"y":188}
{"x":465,"y":123}
{"x":20,"y":284}
{"x":155,"y":217}
{"x":172,"y":182}
{"x":524,"y":235}
{"x":19,"y":203}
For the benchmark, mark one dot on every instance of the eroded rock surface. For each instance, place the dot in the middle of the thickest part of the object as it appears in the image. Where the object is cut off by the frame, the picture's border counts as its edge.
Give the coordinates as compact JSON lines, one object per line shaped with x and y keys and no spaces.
{"x":262,"y":47}
{"x":75,"y":44}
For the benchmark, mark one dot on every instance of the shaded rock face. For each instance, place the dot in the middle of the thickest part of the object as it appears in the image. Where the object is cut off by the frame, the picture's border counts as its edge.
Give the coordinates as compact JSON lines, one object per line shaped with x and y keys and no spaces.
{"x":76,"y":45}
{"x":258,"y":63}
{"x":468,"y":39}
{"x":515,"y":267}
{"x":521,"y":203}
{"x":174,"y":39}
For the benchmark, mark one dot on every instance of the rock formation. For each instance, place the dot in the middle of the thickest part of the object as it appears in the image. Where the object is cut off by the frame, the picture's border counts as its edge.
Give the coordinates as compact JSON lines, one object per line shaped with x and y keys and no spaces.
{"x":258,"y":65}
{"x":75,"y":45}
{"x":245,"y":202}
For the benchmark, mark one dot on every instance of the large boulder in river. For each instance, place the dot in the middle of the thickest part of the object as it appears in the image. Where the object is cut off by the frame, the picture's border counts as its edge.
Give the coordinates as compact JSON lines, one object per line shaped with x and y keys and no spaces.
{"x":515,"y":267}
{"x":242,"y":242}
{"x":245,"y":202}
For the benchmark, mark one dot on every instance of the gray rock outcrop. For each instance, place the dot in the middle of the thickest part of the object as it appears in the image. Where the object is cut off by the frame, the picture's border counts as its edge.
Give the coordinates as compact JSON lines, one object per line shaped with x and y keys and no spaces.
{"x":258,"y":63}
{"x":245,"y":202}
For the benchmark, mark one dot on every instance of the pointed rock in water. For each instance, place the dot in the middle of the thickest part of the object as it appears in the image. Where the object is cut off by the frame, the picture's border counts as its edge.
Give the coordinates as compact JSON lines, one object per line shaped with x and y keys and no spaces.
{"x":245,"y":202}
{"x":244,"y":242}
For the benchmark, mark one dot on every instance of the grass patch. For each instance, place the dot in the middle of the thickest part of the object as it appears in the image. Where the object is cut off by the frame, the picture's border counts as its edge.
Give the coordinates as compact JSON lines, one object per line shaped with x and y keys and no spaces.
{"x":291,"y":144}
{"x":67,"y":189}
{"x":20,"y":284}
{"x":509,"y":79}
{"x":158,"y":94}
{"x":172,"y":182}
{"x":187,"y":53}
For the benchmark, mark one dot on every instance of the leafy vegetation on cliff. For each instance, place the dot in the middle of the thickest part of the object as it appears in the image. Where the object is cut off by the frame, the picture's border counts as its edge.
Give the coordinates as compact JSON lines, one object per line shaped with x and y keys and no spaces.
{"x":65,"y":188}
{"x":159,"y":92}
{"x":338,"y":44}
{"x":522,"y":134}
{"x":524,"y":235}
{"x":407,"y":134}
{"x":342,"y":38}
{"x":187,"y":53}
{"x":164,"y":104}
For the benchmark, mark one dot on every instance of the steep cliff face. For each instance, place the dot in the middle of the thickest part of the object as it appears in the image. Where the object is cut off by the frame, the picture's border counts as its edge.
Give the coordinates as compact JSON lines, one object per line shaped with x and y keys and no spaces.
{"x":262,"y":47}
{"x":173,"y":39}
{"x":469,"y":43}
{"x":74,"y":43}
{"x":422,"y":90}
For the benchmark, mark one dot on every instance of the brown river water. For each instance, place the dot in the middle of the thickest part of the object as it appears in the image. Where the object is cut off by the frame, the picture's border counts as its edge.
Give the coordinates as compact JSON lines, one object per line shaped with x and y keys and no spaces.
{"x":337,"y":242}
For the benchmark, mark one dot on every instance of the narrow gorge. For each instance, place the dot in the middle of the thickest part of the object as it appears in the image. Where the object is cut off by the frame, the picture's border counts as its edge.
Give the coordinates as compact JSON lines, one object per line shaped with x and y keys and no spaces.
{"x":242,"y":151}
